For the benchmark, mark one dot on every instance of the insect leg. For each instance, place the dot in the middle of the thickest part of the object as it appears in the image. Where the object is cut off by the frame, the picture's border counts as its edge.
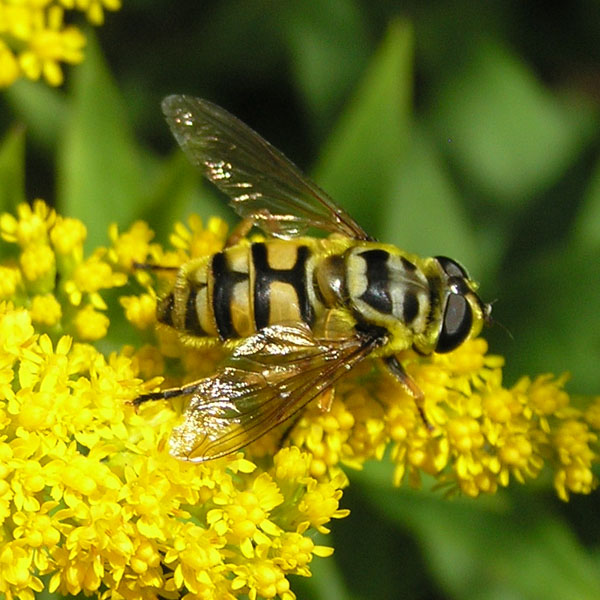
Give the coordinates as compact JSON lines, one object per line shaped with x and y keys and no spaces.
{"x":239,"y":232}
{"x":151,"y":267}
{"x":166,"y":394}
{"x":325,"y":400}
{"x":259,"y":218}
{"x":410,"y":386}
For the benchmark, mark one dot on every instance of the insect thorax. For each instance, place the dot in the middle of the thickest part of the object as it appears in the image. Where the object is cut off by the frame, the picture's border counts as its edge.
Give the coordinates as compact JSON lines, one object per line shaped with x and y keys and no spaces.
{"x":383,"y":287}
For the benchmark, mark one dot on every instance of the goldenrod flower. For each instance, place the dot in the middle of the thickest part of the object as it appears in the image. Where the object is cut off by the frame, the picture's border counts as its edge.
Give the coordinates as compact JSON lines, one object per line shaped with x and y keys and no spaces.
{"x":45,"y":310}
{"x":10,"y":279}
{"x":34,"y":39}
{"x":91,"y":501}
{"x":90,"y":324}
{"x":30,"y":226}
{"x":140,"y":310}
{"x":131,"y":247}
{"x":196,"y":240}
{"x":38,"y":267}
{"x":67,"y":236}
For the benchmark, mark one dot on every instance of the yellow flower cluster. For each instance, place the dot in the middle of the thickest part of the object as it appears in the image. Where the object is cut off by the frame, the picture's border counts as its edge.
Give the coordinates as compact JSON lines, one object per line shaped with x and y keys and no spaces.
{"x":483,"y":433}
{"x":34,"y":39}
{"x":52,"y":278}
{"x":90,"y":499}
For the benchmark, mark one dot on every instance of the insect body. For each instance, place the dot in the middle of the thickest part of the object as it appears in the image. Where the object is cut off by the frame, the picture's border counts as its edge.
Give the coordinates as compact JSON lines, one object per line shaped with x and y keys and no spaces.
{"x":297,"y":311}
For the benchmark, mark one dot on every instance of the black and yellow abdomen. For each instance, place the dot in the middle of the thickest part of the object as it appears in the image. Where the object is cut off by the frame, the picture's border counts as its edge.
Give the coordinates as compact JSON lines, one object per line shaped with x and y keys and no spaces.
{"x":242,"y":289}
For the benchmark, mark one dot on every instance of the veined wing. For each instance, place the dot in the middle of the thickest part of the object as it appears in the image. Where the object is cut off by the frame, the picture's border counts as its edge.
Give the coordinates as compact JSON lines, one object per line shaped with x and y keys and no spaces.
{"x":268,"y":378}
{"x":261,"y":182}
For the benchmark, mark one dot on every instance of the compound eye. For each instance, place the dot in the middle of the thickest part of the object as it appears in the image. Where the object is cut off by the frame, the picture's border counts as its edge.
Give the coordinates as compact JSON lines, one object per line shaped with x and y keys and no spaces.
{"x":456,"y":325}
{"x":451,"y":267}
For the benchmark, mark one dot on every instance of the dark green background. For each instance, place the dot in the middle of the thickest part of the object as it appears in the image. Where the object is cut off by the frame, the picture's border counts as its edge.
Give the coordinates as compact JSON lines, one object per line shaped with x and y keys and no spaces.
{"x":463,"y":129}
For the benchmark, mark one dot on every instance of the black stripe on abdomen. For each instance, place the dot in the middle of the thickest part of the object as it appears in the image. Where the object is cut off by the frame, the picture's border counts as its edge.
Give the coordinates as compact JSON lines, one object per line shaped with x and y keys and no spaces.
{"x":265,"y":275}
{"x":224,"y":281}
{"x":192,"y":321}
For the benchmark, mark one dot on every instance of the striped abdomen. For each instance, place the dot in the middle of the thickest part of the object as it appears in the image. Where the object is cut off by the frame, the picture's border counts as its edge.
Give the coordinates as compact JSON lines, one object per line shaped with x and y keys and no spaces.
{"x":241,"y":290}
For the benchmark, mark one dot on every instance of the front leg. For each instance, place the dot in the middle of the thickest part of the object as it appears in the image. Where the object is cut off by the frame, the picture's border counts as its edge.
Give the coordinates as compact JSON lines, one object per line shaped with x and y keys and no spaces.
{"x":409,"y":384}
{"x":240,"y":231}
{"x":184,"y":390}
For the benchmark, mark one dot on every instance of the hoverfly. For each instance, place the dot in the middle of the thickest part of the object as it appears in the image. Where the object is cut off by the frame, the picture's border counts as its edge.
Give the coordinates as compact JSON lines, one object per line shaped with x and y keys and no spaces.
{"x":297,"y":311}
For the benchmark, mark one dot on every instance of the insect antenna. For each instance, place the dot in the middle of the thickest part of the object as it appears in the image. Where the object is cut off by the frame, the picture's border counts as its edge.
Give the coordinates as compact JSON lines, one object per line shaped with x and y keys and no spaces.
{"x":490,"y":321}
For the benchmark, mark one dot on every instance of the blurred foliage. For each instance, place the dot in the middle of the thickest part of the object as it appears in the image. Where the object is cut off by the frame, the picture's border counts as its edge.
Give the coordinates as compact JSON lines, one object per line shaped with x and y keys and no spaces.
{"x":463,"y":129}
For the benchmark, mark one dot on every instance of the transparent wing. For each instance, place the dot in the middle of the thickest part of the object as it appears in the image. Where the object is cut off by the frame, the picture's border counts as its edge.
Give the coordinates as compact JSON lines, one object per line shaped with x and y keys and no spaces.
{"x":262,"y":184}
{"x":268,"y":378}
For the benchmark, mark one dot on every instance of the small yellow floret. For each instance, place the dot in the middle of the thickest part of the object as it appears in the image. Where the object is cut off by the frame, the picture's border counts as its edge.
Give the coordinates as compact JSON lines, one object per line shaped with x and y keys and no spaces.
{"x":9,"y":66}
{"x":140,"y":310}
{"x":67,"y":236}
{"x":38,"y":265}
{"x":10,"y":278}
{"x":132,"y":246}
{"x":198,"y":240}
{"x":30,"y":226}
{"x":90,"y":324}
{"x":45,"y":310}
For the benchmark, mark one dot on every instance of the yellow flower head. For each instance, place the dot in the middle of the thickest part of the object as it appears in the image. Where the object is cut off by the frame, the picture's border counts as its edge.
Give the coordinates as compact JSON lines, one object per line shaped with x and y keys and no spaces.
{"x":67,"y":236}
{"x":197,"y":240}
{"x":34,"y":39}
{"x":140,"y":310}
{"x":16,"y":331}
{"x":10,"y":279}
{"x":30,"y":226}
{"x":45,"y":310}
{"x":132,"y":246}
{"x":38,"y":267}
{"x":52,"y":276}
{"x":90,"y":324}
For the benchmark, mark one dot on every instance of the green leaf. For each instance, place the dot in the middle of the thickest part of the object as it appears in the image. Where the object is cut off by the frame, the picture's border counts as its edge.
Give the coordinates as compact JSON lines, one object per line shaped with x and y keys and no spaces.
{"x":12,"y":169}
{"x":321,"y":35}
{"x":359,"y":162}
{"x":489,"y":548}
{"x":100,"y":176}
{"x":43,"y":109}
{"x":326,"y":581}
{"x":426,"y":215}
{"x":587,"y":226}
{"x":510,"y":136}
{"x":179,"y":191}
{"x":553,"y":308}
